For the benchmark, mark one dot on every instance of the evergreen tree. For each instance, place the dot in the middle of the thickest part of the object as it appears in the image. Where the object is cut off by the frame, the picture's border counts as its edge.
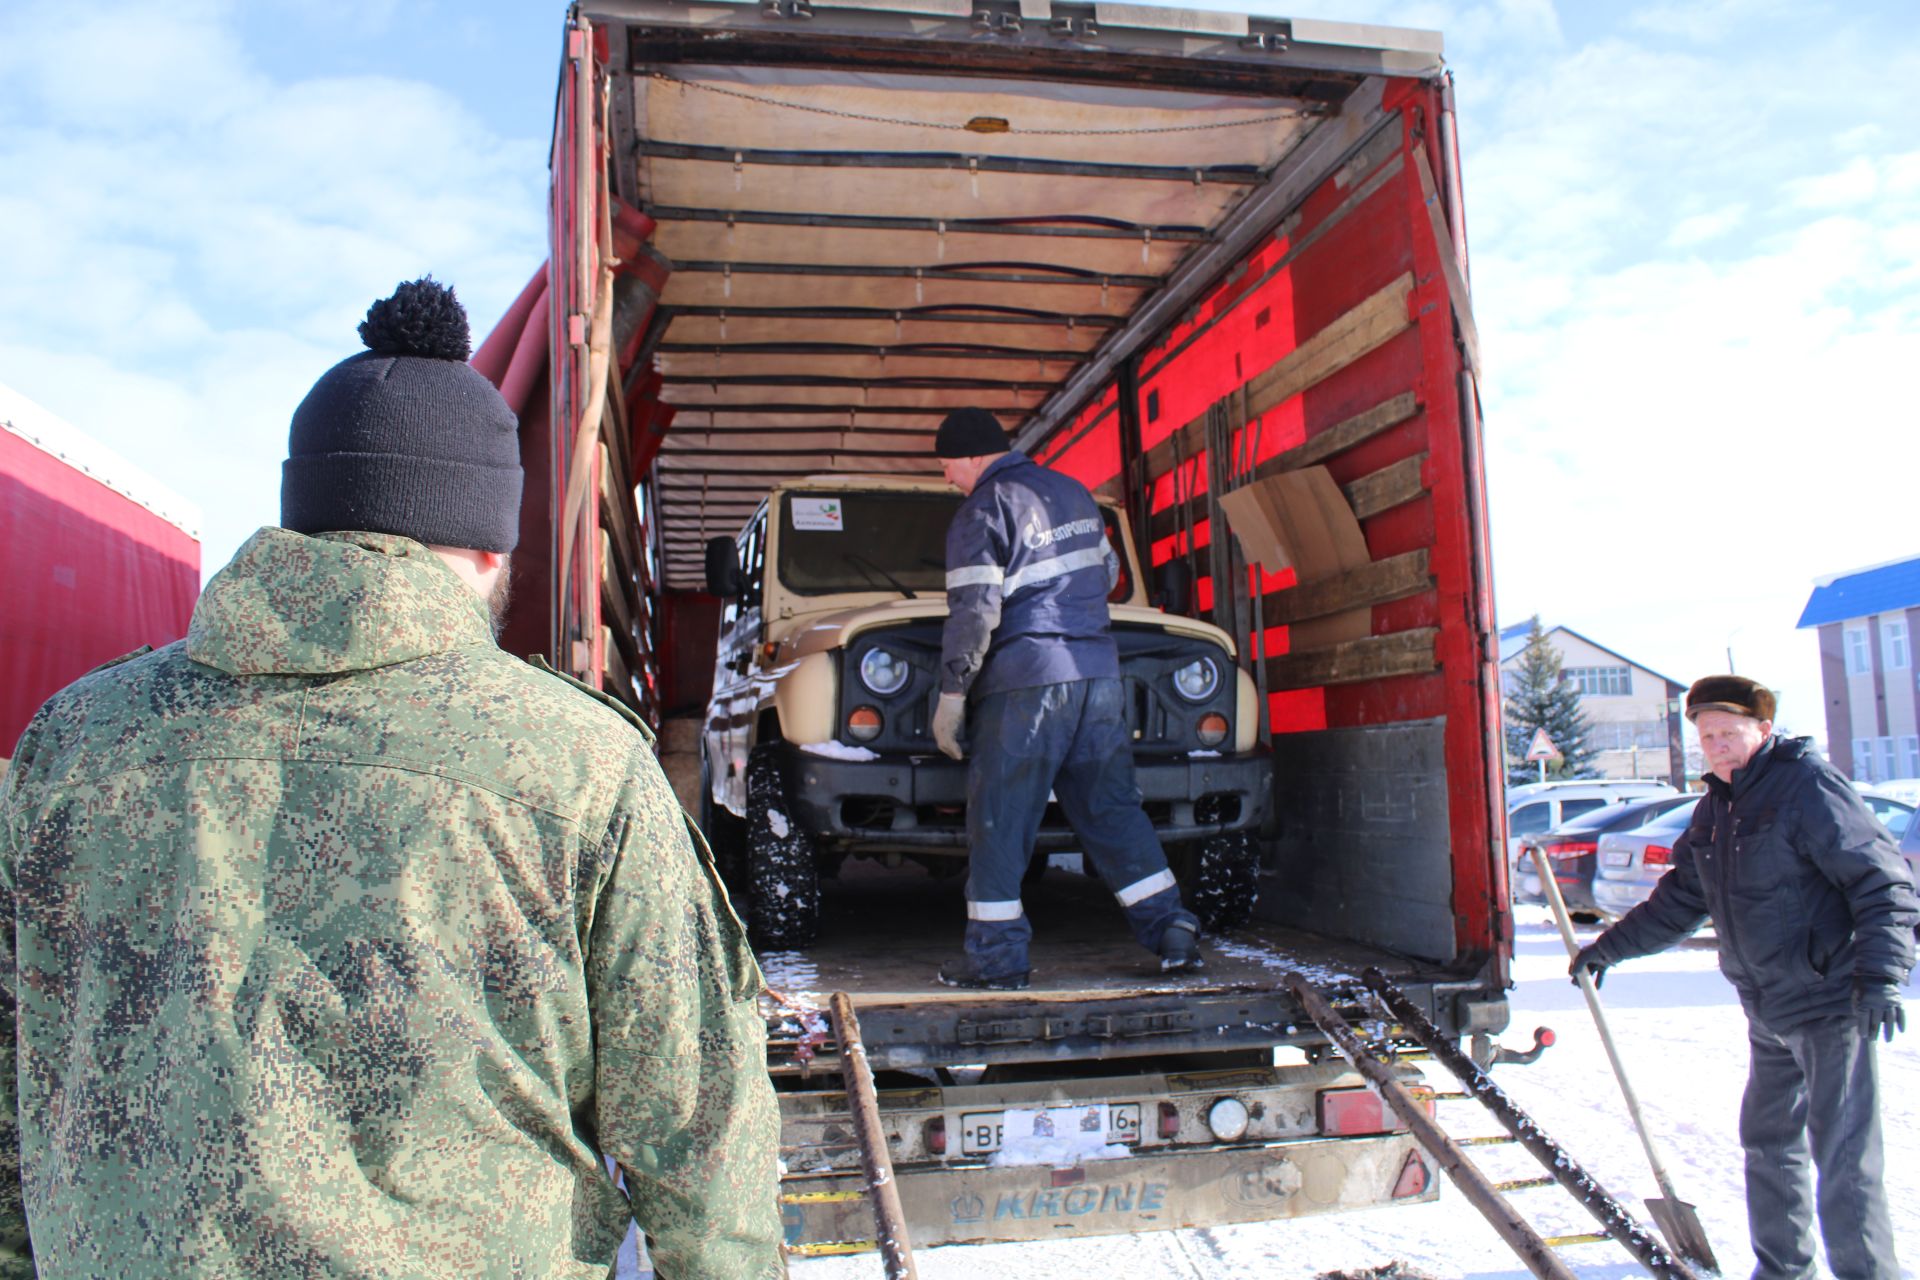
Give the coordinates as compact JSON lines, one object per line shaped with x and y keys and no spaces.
{"x":1542,"y":699}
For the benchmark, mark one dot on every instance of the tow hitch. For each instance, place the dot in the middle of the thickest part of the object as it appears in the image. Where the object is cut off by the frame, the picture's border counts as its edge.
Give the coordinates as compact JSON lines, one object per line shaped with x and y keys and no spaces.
{"x":1487,"y":1055}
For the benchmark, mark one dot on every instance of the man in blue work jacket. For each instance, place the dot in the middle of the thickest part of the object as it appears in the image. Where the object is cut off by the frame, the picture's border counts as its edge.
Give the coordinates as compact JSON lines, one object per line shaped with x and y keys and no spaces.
{"x":1027,"y":656}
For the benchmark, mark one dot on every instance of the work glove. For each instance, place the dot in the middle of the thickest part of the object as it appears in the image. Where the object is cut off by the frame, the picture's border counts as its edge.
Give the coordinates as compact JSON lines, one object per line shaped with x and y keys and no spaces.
{"x":1877,"y":1005}
{"x":950,"y":723}
{"x":1588,"y":958}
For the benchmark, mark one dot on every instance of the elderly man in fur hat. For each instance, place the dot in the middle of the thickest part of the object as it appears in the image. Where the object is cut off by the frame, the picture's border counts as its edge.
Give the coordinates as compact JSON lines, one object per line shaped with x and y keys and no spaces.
{"x":1815,"y":914}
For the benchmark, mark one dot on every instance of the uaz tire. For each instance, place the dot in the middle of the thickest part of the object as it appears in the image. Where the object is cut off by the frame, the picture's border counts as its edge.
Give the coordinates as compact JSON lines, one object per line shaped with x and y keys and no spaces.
{"x":783,"y":880}
{"x":1223,"y":880}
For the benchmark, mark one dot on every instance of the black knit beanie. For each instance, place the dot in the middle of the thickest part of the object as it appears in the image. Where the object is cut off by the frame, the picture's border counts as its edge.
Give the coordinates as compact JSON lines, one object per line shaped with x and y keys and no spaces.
{"x":407,"y":437}
{"x":970,"y":433}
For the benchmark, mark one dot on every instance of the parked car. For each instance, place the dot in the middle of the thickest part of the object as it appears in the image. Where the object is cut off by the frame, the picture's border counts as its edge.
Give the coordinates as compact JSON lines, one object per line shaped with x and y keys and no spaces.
{"x":1535,"y":808}
{"x":1910,"y":850}
{"x":1572,"y":846}
{"x":1631,"y":862}
{"x":1905,"y":790}
{"x":1896,"y":815}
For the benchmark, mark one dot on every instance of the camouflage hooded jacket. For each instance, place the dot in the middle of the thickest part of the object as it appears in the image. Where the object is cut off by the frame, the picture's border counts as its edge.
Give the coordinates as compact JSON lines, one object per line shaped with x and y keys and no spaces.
{"x":339,"y":943}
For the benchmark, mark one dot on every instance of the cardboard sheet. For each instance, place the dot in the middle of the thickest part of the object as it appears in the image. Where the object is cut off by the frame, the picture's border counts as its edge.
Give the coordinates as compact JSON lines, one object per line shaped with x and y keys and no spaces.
{"x":1300,"y":520}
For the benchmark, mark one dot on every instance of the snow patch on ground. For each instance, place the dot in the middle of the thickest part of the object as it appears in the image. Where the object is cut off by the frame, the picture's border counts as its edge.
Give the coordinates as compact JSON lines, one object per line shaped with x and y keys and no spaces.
{"x":839,"y":751}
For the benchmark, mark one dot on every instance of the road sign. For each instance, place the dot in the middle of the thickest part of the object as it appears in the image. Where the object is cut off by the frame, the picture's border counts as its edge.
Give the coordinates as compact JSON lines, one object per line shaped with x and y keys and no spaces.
{"x":1542,"y":748}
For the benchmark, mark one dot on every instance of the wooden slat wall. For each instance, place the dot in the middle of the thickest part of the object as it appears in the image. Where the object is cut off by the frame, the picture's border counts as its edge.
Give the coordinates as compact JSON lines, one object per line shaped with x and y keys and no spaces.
{"x":1364,"y":328}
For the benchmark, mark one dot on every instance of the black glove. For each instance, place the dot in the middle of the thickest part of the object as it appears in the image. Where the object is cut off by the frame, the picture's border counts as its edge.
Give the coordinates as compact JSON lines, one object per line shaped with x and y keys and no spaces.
{"x":1589,"y":960}
{"x":1877,"y":1005}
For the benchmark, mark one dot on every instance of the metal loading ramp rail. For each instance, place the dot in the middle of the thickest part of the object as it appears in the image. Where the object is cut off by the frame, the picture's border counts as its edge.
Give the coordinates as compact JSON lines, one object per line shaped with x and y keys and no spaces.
{"x":882,"y":1193}
{"x":1489,"y":1197}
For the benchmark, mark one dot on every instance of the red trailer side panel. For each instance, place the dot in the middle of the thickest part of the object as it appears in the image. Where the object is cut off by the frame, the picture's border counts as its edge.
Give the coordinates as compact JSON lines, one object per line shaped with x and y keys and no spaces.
{"x":89,"y":574}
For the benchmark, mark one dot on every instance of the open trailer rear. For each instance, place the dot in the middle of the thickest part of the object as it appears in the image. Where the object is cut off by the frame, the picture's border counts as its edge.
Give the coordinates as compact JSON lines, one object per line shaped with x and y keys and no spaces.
{"x":1184,"y":256}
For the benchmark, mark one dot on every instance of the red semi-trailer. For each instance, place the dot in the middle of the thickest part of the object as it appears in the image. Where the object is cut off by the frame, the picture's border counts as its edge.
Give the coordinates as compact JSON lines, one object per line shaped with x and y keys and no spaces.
{"x":98,"y":560}
{"x":1184,"y":256}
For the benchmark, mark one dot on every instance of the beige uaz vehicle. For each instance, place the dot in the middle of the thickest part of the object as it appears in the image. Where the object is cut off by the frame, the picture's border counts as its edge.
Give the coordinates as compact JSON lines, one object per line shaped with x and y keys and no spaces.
{"x":818,"y":744}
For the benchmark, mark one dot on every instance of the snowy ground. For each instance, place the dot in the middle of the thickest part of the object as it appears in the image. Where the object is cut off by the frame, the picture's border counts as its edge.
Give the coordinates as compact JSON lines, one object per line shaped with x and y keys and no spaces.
{"x":1684,"y":1041}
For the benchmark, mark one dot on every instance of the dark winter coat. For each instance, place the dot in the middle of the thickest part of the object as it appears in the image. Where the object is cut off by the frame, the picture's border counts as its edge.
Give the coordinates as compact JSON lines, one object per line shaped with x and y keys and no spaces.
{"x":1805,"y":888}
{"x":1028,"y":572}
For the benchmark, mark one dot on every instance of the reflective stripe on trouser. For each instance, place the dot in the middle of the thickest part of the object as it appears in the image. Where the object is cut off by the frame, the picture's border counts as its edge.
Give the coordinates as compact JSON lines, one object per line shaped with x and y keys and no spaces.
{"x":1070,"y":739}
{"x":1812,"y":1099}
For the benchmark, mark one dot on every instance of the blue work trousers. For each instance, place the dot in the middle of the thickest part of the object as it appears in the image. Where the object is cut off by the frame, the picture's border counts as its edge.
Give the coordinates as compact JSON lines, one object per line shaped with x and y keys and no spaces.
{"x":1069,"y":740}
{"x":1810,"y":1123}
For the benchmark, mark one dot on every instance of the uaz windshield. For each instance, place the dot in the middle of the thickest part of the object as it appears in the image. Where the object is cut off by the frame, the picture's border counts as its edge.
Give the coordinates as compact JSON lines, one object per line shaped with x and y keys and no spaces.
{"x":851,"y":541}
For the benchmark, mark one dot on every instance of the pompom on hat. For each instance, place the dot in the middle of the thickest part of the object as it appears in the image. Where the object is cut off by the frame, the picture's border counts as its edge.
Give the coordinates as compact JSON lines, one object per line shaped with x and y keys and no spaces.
{"x":406,"y":437}
{"x":1737,"y":694}
{"x":970,"y":433}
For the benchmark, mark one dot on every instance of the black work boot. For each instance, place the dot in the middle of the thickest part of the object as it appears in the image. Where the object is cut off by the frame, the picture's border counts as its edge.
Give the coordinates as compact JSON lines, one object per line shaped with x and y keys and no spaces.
{"x":1180,"y":948}
{"x":961,"y":973}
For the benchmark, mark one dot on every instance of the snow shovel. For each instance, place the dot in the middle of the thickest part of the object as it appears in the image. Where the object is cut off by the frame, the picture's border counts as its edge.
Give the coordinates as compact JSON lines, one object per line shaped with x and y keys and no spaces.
{"x":1675,"y":1217}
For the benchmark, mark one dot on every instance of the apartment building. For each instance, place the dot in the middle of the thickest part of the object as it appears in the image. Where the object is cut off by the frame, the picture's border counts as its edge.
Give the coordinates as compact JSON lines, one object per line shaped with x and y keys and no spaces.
{"x":1866,"y":620}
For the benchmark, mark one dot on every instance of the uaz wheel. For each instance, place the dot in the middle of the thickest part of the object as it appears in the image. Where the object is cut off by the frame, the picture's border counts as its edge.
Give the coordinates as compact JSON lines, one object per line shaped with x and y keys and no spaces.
{"x":1224,"y":880}
{"x":783,"y":881}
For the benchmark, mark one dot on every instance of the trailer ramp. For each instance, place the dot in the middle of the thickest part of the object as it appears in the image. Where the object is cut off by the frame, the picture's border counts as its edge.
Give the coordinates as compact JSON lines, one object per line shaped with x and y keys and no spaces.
{"x":1403,"y":1020}
{"x":879,"y":1190}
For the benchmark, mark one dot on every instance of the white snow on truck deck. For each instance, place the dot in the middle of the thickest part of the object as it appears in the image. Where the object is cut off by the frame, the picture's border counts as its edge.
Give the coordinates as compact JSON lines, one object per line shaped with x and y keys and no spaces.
{"x":1684,"y":1039}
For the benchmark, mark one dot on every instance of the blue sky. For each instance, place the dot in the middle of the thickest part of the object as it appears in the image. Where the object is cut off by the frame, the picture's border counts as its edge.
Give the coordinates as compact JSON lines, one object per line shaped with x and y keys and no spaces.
{"x":1695,"y":233}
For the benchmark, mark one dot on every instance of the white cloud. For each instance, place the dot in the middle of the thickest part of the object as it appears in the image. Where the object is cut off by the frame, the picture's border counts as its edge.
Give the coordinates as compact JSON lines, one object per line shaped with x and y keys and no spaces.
{"x":1854,"y":184}
{"x":1704,"y":227}
{"x":1703,"y":21}
{"x":186,"y":243}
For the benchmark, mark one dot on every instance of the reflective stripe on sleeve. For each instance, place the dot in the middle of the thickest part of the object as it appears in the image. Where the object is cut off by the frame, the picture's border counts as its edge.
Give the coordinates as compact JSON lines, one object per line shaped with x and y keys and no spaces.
{"x":1146,"y":888}
{"x":975,"y":575}
{"x":1009,"y":910}
{"x":1046,"y":570}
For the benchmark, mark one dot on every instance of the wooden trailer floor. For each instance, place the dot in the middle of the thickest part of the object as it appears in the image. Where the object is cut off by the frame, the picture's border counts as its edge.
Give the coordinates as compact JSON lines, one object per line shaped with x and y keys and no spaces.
{"x":886,"y":931}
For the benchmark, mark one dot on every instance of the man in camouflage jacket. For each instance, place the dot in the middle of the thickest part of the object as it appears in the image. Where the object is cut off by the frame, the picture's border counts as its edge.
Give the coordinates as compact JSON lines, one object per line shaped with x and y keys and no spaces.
{"x":340,"y":942}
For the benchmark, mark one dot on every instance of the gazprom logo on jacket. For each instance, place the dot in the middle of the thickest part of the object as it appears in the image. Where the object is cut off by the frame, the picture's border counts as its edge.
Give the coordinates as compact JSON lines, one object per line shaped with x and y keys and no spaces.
{"x":1036,"y":538}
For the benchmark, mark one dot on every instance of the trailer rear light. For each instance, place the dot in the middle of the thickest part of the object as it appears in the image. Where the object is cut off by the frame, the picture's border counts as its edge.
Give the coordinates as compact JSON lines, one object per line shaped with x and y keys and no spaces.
{"x":1657,"y":855}
{"x":1212,"y":729}
{"x":1572,"y":848}
{"x":864,"y":724}
{"x":1228,"y":1119}
{"x":937,"y":1136}
{"x":1345,"y":1113}
{"x":1169,"y":1121}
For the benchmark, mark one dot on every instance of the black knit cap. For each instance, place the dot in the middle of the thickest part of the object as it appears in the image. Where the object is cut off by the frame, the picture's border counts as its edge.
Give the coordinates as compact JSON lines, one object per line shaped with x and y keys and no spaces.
{"x":970,"y":433}
{"x":1741,"y":696}
{"x":407,"y":437}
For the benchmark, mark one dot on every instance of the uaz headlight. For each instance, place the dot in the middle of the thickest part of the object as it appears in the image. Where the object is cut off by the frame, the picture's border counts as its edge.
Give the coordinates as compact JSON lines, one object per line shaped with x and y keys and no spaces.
{"x":884,"y":672}
{"x":1197,"y":680}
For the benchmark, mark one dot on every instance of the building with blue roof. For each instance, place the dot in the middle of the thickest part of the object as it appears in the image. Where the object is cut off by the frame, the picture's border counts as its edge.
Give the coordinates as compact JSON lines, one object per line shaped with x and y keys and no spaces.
{"x":1866,"y":619}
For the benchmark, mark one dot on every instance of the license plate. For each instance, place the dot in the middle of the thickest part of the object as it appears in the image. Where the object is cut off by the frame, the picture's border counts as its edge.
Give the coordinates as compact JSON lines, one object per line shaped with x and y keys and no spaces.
{"x":1616,"y":858}
{"x":982,"y":1132}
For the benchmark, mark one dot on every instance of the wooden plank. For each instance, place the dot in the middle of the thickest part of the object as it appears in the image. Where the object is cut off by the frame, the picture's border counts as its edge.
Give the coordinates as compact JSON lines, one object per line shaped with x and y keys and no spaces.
{"x":1387,"y":488}
{"x":1342,"y":435}
{"x":1353,"y":335}
{"x":1399,"y":654}
{"x":1457,"y":294}
{"x":1371,"y":494}
{"x":1391,"y":579}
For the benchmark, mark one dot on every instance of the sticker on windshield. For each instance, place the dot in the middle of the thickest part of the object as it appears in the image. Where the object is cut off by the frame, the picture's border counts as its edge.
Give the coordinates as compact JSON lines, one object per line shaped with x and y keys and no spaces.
{"x":819,"y":513}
